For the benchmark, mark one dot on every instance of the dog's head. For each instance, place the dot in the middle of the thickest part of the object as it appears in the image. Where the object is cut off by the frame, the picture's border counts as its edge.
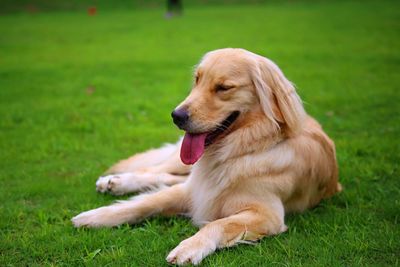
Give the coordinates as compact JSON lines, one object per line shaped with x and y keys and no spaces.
{"x":229,"y":85}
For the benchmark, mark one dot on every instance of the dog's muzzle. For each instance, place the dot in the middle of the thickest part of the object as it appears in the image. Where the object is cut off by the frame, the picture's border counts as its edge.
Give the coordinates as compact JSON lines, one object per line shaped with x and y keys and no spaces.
{"x":180,"y":117}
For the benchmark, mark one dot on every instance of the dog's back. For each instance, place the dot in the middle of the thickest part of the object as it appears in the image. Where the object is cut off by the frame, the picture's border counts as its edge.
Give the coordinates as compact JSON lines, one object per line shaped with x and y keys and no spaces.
{"x":317,"y":168}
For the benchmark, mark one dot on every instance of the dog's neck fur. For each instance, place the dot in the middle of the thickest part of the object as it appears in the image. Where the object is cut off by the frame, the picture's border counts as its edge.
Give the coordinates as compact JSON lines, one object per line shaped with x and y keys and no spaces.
{"x":247,"y":136}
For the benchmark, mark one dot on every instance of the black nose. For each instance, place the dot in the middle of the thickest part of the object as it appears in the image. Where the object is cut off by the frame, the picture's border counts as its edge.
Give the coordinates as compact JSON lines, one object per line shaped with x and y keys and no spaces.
{"x":180,"y":117}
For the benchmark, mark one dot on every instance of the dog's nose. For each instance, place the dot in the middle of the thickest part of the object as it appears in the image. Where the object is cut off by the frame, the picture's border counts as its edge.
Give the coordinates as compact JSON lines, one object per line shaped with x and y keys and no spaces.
{"x":180,"y":117}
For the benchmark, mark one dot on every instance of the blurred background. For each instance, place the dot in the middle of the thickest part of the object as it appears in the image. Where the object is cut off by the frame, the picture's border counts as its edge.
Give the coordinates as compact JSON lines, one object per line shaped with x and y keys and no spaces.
{"x":86,"y":83}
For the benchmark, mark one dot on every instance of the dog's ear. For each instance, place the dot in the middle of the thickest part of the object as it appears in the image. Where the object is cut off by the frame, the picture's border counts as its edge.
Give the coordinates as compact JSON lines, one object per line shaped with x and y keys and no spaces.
{"x":277,"y":95}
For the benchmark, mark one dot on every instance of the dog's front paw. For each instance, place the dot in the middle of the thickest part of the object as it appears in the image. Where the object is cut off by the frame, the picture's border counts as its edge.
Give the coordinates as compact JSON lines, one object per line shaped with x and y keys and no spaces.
{"x":113,"y":184}
{"x":192,"y":250}
{"x":101,"y":217}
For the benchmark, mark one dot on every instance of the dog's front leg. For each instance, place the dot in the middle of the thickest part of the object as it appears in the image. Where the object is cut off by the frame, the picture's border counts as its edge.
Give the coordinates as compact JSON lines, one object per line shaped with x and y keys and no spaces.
{"x":171,"y":200}
{"x":251,"y":223}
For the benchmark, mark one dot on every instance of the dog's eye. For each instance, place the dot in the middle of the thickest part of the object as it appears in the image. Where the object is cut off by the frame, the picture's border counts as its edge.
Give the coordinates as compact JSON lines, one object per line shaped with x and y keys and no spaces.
{"x":196,"y":79}
{"x":222,"y":87}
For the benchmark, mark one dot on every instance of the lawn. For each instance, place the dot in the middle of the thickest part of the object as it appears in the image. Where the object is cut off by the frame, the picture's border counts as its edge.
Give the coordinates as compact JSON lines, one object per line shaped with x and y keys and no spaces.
{"x":79,"y":92}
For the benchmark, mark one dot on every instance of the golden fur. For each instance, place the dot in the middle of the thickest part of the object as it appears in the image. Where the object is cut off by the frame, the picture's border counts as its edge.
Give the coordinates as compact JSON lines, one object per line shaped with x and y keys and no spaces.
{"x":272,"y":160}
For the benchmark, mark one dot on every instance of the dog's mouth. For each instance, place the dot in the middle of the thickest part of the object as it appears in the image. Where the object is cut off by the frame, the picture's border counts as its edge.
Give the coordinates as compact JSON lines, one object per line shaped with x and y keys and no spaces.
{"x":193,"y":145}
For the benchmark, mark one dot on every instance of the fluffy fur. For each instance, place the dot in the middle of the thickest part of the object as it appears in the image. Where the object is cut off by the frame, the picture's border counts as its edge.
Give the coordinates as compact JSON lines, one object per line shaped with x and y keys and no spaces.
{"x":272,"y":160}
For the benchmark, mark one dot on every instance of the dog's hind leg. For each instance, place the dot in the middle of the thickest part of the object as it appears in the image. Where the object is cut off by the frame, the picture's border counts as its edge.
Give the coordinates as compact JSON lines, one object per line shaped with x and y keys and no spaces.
{"x":147,"y":159}
{"x":125,"y":183}
{"x":168,"y":201}
{"x":154,"y":168}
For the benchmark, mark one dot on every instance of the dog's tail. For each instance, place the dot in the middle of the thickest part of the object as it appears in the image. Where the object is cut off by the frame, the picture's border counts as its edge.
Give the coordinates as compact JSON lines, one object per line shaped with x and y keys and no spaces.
{"x":339,"y":187}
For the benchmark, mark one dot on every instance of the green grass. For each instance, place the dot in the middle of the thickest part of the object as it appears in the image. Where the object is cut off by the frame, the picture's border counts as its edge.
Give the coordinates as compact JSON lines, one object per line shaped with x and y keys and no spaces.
{"x":56,"y":137}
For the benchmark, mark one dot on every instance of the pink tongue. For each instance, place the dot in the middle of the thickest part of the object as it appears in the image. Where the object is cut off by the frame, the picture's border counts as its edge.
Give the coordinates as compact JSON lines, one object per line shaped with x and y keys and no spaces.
{"x":192,"y":147}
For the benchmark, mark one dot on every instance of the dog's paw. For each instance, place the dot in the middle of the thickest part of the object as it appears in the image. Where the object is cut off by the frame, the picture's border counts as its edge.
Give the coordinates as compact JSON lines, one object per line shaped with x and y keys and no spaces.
{"x":102,"y":183}
{"x":191,"y":251}
{"x":101,"y":217}
{"x":113,"y":184}
{"x":124,"y":183}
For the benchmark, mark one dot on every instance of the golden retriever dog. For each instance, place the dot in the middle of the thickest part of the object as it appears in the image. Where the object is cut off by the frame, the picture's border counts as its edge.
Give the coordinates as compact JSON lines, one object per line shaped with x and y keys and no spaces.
{"x":250,"y":154}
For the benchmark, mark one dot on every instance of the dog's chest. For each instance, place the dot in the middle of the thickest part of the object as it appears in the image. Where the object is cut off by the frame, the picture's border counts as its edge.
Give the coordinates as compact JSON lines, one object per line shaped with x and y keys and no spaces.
{"x":208,"y":188}
{"x":216,"y":189}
